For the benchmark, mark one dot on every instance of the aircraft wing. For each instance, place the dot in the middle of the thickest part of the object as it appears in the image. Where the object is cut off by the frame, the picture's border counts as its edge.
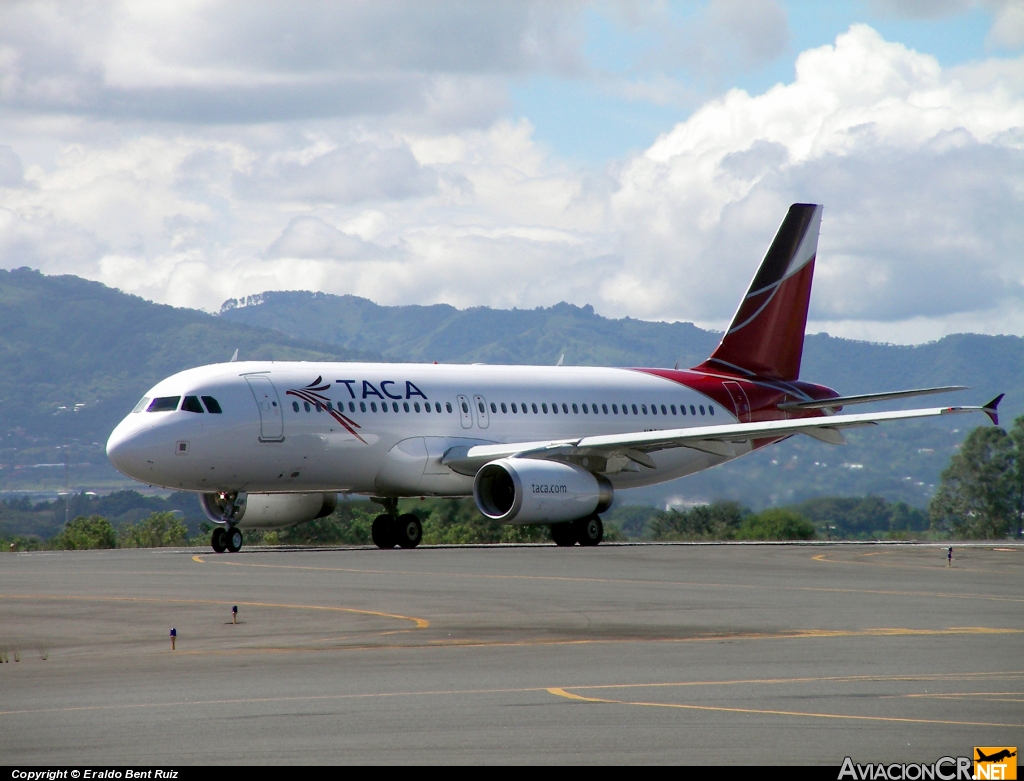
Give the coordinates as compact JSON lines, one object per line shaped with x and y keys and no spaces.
{"x":717,"y":440}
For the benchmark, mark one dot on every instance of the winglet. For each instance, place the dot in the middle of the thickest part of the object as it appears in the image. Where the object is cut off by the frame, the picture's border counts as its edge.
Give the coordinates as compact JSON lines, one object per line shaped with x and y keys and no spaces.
{"x":234,"y":357}
{"x":990,"y":409}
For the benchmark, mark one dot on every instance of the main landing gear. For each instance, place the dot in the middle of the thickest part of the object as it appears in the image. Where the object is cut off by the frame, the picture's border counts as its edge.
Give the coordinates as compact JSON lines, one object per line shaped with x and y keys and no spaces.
{"x":390,"y":529}
{"x":586,"y":531}
{"x":229,"y":539}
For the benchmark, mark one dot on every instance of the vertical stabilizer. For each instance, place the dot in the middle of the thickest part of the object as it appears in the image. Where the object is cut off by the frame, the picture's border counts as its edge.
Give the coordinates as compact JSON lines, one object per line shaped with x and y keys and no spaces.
{"x":766,"y":336}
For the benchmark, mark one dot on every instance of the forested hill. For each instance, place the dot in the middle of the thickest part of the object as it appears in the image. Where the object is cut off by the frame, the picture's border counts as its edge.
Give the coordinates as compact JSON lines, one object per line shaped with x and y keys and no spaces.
{"x":989,"y":364}
{"x":67,"y":341}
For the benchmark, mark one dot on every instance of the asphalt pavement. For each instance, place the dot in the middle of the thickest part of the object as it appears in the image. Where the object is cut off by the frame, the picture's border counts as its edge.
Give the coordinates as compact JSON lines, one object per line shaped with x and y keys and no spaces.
{"x":723,"y":654}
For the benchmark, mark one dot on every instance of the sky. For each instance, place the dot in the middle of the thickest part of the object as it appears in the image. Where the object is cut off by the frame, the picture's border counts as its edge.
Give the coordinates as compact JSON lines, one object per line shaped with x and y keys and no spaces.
{"x":635,"y":156}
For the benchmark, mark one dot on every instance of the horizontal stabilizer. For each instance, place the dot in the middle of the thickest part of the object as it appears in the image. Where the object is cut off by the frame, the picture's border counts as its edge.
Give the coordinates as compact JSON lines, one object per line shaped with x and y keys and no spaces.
{"x":865,"y":398}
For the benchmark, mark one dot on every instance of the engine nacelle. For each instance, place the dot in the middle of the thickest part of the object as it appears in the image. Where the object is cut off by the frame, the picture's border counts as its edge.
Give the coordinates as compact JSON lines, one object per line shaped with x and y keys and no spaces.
{"x":267,"y":511}
{"x":526,"y":490}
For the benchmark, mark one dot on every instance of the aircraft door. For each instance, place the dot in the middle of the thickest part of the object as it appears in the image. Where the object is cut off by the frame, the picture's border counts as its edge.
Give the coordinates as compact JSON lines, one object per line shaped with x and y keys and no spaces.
{"x":740,"y":402}
{"x":466,"y":414}
{"x":482,"y":418}
{"x":269,"y":405}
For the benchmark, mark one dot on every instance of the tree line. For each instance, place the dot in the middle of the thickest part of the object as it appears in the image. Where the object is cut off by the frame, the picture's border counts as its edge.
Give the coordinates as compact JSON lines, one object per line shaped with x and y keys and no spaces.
{"x":981,"y":496}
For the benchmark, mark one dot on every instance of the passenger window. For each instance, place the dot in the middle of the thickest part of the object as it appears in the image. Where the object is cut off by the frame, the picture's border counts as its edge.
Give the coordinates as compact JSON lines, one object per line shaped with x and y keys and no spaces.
{"x":544,"y":407}
{"x":635,"y":412}
{"x":535,"y":409}
{"x":142,"y":404}
{"x":554,"y":409}
{"x":164,"y":404}
{"x":295,"y":406}
{"x":191,"y":404}
{"x":682,"y":408}
{"x":692,"y":410}
{"x":306,"y":405}
{"x":663,"y":410}
{"x":383,"y":406}
{"x":351,"y":406}
{"x":437,"y":407}
{"x":565,"y":408}
{"x":673,"y":408}
{"x":493,"y":408}
{"x":405,"y":406}
{"x":394,"y":406}
{"x":585,"y":410}
{"x":711,"y":408}
{"x":514,"y":410}
{"x":654,"y":409}
{"x":615,"y":409}
{"x":701,"y":409}
{"x":575,"y":410}
{"x":373,"y":406}
{"x":644,"y":408}
{"x":362,"y":406}
{"x":504,"y":409}
{"x":426,"y":407}
{"x":465,"y":408}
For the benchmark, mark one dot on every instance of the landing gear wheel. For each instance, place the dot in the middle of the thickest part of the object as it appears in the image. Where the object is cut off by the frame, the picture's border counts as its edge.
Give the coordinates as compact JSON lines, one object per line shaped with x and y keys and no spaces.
{"x":563,"y":534}
{"x":408,"y":530}
{"x":233,"y":539}
{"x":589,"y":531}
{"x":383,"y":532}
{"x":219,"y":540}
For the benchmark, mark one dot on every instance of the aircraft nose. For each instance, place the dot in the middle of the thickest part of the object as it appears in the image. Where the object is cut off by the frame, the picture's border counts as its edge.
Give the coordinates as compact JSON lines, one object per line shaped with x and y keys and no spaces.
{"x":127,"y":450}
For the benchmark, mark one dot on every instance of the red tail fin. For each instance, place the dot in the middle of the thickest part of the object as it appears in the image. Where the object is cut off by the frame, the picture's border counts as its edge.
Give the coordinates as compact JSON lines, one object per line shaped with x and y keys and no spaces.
{"x":766,"y":336}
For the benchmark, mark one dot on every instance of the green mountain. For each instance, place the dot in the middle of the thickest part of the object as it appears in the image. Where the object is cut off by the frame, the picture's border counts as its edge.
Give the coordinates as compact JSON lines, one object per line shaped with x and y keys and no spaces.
{"x":901,"y":462}
{"x":990,"y":364}
{"x":66,"y":342}
{"x":77,"y":356}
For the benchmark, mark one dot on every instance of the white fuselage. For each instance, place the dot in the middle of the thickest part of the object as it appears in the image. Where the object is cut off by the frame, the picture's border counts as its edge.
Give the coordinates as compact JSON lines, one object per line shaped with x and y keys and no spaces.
{"x":383,"y":433}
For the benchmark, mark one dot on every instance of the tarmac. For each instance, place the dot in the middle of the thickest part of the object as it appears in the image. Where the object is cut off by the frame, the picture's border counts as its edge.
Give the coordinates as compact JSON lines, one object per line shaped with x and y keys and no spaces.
{"x":709,"y":655}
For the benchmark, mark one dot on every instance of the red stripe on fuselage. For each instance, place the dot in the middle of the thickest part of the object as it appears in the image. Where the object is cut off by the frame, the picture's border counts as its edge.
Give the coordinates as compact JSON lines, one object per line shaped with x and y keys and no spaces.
{"x":764,"y":395}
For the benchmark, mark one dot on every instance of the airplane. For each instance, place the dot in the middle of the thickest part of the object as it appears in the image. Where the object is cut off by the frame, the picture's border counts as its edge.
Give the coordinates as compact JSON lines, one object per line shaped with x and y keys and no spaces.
{"x":270,"y":444}
{"x":998,"y":756}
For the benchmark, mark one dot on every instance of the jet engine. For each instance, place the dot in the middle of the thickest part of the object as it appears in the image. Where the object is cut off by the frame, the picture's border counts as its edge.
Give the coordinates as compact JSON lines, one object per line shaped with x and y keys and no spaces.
{"x":267,"y":511}
{"x":526,"y":490}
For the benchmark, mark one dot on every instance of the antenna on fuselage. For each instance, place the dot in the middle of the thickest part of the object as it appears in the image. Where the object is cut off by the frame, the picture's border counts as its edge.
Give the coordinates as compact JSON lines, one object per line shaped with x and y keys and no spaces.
{"x":560,"y":359}
{"x":234,"y":357}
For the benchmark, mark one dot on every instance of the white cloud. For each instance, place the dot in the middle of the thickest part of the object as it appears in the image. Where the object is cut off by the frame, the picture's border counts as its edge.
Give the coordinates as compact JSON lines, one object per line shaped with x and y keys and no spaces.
{"x":1008,"y":28}
{"x":921,"y":171}
{"x":213,"y":62}
{"x":922,"y":180}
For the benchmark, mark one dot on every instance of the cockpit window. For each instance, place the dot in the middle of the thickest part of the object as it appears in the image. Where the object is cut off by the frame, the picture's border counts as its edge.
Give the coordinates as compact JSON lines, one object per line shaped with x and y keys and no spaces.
{"x":212,"y":405}
{"x":142,"y":404}
{"x":164,"y":404}
{"x":191,"y":404}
